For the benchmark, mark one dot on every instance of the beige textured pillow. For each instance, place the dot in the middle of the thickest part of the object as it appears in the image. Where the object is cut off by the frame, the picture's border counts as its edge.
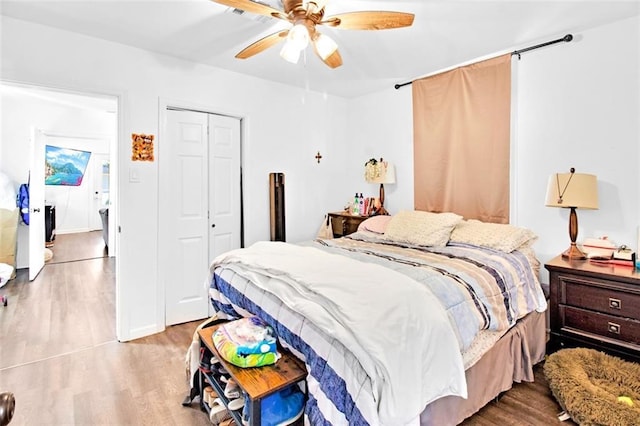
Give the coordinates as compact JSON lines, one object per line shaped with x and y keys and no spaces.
{"x":421,"y":228}
{"x":497,"y":236}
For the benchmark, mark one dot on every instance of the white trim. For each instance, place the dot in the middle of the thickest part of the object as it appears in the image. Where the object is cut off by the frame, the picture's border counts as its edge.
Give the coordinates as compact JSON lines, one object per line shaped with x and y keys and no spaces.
{"x":139,"y":332}
{"x":122,"y":307}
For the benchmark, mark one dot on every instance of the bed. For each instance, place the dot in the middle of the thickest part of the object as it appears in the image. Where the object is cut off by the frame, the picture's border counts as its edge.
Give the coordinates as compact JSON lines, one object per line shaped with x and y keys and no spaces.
{"x":402,"y":322}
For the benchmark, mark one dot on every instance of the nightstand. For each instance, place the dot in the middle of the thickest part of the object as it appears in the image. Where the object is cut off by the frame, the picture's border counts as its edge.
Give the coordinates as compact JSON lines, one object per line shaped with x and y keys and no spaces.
{"x":345,"y":223}
{"x":594,"y":306}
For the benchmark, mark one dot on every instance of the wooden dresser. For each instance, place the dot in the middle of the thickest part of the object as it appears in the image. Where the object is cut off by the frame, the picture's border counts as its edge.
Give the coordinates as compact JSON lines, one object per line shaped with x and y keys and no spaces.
{"x":594,"y":306}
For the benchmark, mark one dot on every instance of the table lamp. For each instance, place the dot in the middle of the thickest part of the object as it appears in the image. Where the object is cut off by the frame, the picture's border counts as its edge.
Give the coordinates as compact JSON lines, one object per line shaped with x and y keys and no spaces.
{"x":573,"y":191}
{"x":380,"y":172}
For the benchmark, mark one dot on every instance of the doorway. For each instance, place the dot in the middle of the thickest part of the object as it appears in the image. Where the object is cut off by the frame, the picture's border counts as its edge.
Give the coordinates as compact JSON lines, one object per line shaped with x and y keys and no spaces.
{"x":77,"y":215}
{"x":58,"y":118}
{"x":200,"y":205}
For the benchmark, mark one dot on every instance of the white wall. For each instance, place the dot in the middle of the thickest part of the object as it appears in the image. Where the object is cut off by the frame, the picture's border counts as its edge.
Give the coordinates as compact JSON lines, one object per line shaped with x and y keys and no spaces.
{"x":283,"y":129}
{"x":578,"y":105}
{"x":381,"y":125}
{"x":18,"y":115}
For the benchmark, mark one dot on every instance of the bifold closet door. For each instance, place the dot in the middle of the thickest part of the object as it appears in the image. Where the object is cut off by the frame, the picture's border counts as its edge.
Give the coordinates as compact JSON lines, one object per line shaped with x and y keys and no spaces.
{"x":184,"y":229}
{"x":276,"y":199}
{"x":200,"y":215}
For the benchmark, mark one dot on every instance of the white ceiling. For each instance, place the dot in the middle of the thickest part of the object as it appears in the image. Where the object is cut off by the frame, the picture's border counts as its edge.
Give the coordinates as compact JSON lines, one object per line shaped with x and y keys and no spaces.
{"x":444,"y":34}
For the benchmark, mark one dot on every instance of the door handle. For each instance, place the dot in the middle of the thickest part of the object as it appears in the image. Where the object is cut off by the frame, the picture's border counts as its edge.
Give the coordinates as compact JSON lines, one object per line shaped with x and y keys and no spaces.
{"x":213,"y":225}
{"x":36,"y":210}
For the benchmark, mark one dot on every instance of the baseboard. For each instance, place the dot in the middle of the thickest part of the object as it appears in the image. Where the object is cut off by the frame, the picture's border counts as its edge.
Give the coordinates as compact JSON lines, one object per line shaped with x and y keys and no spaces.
{"x":140,"y":332}
{"x":74,"y":231}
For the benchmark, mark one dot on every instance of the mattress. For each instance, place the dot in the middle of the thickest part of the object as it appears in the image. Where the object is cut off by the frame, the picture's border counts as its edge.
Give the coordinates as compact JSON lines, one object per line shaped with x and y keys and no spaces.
{"x":483,"y":294}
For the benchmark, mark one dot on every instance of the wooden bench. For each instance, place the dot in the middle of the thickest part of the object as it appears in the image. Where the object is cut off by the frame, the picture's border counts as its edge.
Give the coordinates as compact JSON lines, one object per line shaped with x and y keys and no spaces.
{"x":256,"y":382}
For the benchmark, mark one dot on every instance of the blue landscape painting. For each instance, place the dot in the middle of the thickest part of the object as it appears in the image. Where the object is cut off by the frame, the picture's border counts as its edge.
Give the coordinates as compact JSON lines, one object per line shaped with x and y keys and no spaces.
{"x":65,"y":166}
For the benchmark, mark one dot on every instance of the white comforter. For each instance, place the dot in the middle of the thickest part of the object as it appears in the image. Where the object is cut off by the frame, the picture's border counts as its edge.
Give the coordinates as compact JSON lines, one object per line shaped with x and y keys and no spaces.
{"x":380,"y":314}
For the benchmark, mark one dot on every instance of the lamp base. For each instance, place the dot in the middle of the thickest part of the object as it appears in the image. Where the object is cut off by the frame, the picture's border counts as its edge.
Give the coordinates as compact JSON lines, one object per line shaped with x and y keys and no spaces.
{"x":573,"y":252}
{"x":381,"y":211}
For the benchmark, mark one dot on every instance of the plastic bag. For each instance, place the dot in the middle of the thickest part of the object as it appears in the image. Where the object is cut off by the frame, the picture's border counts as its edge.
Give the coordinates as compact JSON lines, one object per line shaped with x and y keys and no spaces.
{"x":326,"y":230}
{"x":6,"y":271}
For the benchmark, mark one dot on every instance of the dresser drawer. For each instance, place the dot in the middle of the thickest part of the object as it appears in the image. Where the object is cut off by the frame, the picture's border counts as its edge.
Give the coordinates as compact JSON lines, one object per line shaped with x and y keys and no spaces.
{"x":345,"y":224}
{"x":582,"y":293}
{"x":623,"y":329}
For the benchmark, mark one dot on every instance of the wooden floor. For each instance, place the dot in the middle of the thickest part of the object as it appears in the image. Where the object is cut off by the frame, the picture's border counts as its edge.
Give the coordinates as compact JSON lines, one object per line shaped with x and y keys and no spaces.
{"x":78,"y":246}
{"x":60,"y":357}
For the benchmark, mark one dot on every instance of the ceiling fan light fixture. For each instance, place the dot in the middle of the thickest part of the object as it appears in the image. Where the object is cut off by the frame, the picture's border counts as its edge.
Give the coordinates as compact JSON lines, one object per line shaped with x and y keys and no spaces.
{"x":305,"y":16}
{"x":318,"y":5}
{"x":290,"y":53}
{"x":298,"y":36}
{"x":325,"y":46}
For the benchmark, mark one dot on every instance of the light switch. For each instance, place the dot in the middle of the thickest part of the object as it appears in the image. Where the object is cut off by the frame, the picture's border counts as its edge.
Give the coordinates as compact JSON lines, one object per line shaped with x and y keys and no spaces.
{"x":134,"y":175}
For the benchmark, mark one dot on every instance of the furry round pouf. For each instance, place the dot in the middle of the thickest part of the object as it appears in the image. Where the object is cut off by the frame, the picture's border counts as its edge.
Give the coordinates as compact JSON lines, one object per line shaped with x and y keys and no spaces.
{"x":48,"y":254}
{"x":595,"y":388}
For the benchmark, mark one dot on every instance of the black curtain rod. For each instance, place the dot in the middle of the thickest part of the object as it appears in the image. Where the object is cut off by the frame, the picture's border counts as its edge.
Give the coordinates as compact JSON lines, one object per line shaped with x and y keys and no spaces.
{"x":566,"y":39}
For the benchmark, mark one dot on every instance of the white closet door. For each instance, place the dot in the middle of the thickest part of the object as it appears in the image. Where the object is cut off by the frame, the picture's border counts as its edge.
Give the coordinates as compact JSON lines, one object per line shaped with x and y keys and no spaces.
{"x":200,"y":191}
{"x":187,"y":248}
{"x":224,"y":184}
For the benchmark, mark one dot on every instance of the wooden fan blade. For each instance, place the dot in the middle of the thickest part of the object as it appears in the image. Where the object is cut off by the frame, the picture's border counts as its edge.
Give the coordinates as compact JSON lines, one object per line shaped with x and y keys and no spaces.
{"x":253,"y":7}
{"x":262,"y":44}
{"x":334,"y":60}
{"x":370,"y":20}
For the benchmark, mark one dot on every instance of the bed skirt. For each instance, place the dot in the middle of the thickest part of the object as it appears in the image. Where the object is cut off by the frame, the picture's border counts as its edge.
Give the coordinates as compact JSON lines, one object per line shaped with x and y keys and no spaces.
{"x":510,"y":360}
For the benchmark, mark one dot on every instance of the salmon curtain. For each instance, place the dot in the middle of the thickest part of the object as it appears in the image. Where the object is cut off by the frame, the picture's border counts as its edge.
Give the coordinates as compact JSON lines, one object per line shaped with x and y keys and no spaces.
{"x":461,"y":126}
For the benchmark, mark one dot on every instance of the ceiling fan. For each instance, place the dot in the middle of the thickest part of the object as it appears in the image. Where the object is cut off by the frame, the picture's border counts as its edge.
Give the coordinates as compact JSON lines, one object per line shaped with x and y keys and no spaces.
{"x":305,"y":15}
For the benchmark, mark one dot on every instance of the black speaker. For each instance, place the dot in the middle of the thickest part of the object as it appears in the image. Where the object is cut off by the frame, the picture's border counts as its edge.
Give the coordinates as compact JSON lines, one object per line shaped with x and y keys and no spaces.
{"x":49,"y":224}
{"x":276,"y":200}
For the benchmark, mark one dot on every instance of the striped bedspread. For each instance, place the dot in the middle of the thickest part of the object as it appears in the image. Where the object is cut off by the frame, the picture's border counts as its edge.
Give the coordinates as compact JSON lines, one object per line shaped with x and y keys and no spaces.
{"x":479,"y":289}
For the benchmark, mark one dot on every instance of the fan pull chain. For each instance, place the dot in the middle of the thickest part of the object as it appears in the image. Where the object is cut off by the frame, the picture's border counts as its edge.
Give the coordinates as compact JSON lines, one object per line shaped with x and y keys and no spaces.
{"x":561,"y":194}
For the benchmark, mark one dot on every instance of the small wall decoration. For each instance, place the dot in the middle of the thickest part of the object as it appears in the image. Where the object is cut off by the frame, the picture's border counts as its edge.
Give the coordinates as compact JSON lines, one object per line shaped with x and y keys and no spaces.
{"x":141,"y":147}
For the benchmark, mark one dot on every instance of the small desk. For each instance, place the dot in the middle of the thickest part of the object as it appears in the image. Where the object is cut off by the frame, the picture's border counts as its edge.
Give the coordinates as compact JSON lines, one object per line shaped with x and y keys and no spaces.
{"x":257,"y":382}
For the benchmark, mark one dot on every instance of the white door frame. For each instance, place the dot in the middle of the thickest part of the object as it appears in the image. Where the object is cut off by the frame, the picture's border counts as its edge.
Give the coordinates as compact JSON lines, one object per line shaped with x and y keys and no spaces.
{"x":95,"y":192}
{"x":36,"y":202}
{"x":163,"y":260}
{"x":122,"y":309}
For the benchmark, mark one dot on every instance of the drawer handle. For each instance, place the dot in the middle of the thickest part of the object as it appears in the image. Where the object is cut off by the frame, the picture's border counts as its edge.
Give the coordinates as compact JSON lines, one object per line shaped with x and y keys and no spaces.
{"x":615,"y":303}
{"x":614,"y":328}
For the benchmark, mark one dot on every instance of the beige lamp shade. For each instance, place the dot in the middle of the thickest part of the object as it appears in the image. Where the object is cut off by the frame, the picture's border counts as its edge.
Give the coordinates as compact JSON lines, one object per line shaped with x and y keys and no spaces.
{"x":381,"y":172}
{"x":577,"y":190}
